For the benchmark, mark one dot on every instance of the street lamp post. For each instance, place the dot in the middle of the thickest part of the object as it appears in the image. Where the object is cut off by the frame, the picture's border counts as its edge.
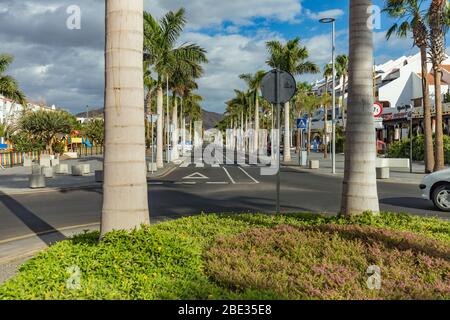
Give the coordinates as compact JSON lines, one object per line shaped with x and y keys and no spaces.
{"x":333,"y":125}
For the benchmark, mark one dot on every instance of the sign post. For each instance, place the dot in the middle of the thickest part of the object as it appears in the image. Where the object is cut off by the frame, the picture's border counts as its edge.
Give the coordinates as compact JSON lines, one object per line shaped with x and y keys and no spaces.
{"x":278,"y":87}
{"x":410,"y":118}
{"x":152,"y":118}
{"x":302,"y":124}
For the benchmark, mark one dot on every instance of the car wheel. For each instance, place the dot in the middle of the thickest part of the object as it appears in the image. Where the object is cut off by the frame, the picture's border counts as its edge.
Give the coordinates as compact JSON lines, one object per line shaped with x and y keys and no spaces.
{"x":441,"y":197}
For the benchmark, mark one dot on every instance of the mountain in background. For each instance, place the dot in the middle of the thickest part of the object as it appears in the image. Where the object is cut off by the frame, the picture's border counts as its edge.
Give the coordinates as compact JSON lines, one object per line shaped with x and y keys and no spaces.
{"x":210,"y":119}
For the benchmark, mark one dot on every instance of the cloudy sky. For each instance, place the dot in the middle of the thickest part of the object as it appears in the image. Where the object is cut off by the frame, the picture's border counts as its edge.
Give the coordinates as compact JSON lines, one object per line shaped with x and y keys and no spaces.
{"x":65,"y":67}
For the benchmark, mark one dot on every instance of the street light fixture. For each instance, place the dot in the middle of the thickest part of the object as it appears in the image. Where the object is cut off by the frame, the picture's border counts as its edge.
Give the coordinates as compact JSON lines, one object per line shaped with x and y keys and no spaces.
{"x":333,"y":126}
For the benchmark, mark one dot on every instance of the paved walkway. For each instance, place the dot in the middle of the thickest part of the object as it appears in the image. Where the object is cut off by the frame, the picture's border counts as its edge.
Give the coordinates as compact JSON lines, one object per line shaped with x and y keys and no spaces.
{"x":397,"y":175}
{"x":16,"y":180}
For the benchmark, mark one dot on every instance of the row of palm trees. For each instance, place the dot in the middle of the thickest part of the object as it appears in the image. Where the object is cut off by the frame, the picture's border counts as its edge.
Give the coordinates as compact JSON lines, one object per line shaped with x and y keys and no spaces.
{"x":428,"y":26}
{"x":125,"y":203}
{"x":245,"y":106}
{"x":176,"y":67}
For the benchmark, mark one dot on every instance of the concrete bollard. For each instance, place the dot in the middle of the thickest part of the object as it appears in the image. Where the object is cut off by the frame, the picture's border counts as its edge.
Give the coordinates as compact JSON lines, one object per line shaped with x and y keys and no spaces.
{"x":47,"y":172}
{"x":86,"y":168}
{"x":45,"y":161}
{"x":98,"y":175}
{"x":62,"y":169}
{"x":54,"y":162}
{"x":314,"y":164}
{"x":151,"y":166}
{"x":383,"y":173}
{"x":77,"y":171}
{"x":36,"y":169}
{"x":37,"y":181}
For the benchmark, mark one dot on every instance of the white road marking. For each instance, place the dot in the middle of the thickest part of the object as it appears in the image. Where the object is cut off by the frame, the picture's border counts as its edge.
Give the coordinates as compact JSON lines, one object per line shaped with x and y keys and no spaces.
{"x":215,"y":165}
{"x":229,"y":176}
{"x":185,"y":164}
{"x":196,"y":175}
{"x":199,"y":165}
{"x":248,"y":175}
{"x":185,"y":182}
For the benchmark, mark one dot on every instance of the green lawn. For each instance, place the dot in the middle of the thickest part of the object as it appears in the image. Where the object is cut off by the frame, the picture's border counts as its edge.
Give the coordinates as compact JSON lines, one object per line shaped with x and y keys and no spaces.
{"x":248,"y":256}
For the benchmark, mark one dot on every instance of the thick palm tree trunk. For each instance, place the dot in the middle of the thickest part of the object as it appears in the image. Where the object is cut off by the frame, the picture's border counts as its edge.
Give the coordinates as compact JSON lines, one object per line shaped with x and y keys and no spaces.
{"x":429,"y":154}
{"x":437,"y":48}
{"x":125,"y":204}
{"x":343,"y":105}
{"x":325,"y":123}
{"x":256,"y":137}
{"x":359,"y":192}
{"x":175,"y":155}
{"x":308,"y":147}
{"x":439,"y":164}
{"x":159,"y":127}
{"x":287,"y":133}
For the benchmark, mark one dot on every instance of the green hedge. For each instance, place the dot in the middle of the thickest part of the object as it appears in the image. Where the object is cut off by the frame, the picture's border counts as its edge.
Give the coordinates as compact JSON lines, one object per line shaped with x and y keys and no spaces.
{"x":180,"y":259}
{"x":400,"y":149}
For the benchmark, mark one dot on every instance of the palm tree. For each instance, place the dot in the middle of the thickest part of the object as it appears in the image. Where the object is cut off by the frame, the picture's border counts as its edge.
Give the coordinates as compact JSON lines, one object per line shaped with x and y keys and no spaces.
{"x":45,"y":125}
{"x":437,"y":19}
{"x":359,"y":193}
{"x":9,"y":87}
{"x":181,"y":82}
{"x":327,"y":73}
{"x":410,"y":15}
{"x":342,"y":73}
{"x":125,"y":203}
{"x":254,"y":83}
{"x":305,"y":102}
{"x":292,"y":58}
{"x":193,"y":111}
{"x":165,"y":57}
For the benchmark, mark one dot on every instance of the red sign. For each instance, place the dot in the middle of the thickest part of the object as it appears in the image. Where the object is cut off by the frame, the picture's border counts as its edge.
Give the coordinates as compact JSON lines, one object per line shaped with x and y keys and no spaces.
{"x":377,"y":109}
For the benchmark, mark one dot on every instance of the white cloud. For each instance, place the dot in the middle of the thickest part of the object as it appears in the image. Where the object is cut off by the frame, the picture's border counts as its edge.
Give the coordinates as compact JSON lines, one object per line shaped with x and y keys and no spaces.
{"x":207,"y":13}
{"x":333,"y":13}
{"x":229,"y":56}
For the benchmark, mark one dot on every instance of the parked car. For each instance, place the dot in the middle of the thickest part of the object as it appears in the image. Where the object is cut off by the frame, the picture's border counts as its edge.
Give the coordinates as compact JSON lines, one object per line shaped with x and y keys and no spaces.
{"x":436,"y":187}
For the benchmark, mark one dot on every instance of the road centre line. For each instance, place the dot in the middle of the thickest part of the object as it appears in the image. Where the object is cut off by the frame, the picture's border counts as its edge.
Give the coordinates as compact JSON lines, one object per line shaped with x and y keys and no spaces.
{"x":248,"y":175}
{"x":229,"y":176}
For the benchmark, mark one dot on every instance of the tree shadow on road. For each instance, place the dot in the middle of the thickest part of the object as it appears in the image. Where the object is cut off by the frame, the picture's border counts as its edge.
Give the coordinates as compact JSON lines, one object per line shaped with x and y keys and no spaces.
{"x":47,"y":233}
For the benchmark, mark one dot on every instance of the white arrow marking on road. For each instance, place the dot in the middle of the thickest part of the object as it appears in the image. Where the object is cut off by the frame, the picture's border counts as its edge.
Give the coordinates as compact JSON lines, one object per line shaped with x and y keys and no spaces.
{"x":196,"y":175}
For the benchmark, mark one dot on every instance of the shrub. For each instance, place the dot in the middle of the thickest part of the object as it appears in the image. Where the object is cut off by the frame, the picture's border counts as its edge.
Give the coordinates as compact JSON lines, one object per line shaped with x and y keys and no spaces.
{"x":330,"y":262}
{"x":400,"y":149}
{"x":168,"y":260}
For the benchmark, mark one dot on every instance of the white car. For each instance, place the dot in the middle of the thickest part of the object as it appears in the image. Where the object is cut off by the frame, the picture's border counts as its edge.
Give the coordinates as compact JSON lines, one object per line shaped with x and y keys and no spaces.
{"x":436,"y":187}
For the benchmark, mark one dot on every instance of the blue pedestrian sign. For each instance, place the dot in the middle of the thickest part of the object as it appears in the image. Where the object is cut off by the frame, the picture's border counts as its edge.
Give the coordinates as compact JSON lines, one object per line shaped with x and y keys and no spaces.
{"x":301,"y":123}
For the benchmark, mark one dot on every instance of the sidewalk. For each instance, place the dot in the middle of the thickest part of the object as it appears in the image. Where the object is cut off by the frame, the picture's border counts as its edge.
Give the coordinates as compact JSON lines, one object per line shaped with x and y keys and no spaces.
{"x":15,"y":180}
{"x":397,"y":175}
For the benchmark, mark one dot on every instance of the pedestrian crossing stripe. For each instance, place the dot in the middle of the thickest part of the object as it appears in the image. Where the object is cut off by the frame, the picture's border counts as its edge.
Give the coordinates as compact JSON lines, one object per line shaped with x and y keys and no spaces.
{"x":196,"y":175}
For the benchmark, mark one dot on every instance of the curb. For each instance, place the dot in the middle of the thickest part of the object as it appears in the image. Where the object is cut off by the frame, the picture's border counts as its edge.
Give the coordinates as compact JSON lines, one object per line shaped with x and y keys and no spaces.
{"x":339,"y":175}
{"x":79,"y":187}
{"x":41,"y":246}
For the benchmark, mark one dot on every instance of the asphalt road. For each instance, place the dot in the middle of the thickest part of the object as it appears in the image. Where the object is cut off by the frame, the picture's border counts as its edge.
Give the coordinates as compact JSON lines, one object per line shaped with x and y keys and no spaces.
{"x":195,"y":188}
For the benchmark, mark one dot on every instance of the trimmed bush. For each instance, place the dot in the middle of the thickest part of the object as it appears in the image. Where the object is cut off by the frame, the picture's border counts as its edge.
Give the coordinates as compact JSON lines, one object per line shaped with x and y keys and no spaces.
{"x":330,"y":262}
{"x":400,"y":149}
{"x":174,"y":260}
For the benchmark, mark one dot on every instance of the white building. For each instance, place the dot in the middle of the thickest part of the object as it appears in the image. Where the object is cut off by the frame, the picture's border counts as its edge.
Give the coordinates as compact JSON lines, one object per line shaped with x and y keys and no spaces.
{"x":11,"y":111}
{"x":399,"y":89}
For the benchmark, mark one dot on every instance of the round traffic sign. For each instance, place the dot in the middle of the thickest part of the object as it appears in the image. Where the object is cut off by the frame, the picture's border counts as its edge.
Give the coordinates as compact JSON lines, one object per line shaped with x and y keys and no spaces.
{"x":281,"y":91}
{"x":377,"y":109}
